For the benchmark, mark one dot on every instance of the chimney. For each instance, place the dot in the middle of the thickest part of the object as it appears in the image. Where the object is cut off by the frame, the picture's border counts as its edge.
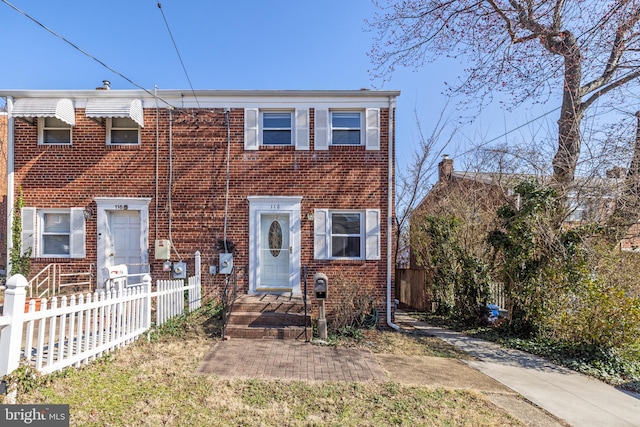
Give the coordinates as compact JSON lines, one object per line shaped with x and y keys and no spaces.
{"x":106,"y":85}
{"x":445,"y":167}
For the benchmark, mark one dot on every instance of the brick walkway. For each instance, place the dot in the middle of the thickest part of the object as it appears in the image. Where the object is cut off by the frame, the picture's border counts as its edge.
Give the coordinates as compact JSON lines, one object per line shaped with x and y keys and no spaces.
{"x":290,"y":360}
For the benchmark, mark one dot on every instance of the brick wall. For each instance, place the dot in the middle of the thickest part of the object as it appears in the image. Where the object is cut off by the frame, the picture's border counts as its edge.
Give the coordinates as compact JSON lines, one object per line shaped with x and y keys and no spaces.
{"x":71,"y":176}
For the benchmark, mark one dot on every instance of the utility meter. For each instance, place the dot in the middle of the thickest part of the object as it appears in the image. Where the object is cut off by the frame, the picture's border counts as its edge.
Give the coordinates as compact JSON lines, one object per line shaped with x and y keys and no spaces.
{"x":180,"y":270}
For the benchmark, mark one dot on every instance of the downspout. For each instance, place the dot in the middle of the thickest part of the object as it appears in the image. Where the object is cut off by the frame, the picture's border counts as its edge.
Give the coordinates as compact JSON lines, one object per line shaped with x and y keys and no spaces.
{"x":10,"y":180}
{"x":390,"y":193}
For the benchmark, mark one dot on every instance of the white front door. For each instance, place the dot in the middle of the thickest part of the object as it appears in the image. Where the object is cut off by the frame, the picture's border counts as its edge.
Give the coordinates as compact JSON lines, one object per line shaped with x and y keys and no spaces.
{"x":274,"y":256}
{"x":125,"y":241}
{"x":123,"y":235}
{"x":274,"y":244}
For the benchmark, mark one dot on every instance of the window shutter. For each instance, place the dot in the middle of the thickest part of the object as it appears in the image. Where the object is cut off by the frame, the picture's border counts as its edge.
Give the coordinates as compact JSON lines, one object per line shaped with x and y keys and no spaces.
{"x":321,"y":134}
{"x":373,"y":129}
{"x":28,"y":221}
{"x":321,"y":234}
{"x":302,"y":129}
{"x":372,"y":226}
{"x":78,"y":235}
{"x":251,"y":129}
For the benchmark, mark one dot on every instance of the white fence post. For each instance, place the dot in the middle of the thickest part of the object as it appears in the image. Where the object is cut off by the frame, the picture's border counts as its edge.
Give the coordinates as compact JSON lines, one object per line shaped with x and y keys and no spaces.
{"x":146,"y":288}
{"x":11,"y":335}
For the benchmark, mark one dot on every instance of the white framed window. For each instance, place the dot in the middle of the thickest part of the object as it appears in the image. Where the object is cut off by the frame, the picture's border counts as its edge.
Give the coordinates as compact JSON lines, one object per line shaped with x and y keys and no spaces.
{"x":54,"y":131}
{"x":346,"y":128}
{"x":277,"y":127}
{"x":54,"y":233}
{"x":122,"y":131}
{"x":347,"y":234}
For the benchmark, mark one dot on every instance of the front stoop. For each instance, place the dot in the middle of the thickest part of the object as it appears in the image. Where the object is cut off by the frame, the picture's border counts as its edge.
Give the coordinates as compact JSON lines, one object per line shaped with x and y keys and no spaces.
{"x":269,"y":316}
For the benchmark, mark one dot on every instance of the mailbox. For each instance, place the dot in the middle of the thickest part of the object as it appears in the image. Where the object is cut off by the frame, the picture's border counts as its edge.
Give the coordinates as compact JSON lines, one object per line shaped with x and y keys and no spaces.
{"x":320,"y":285}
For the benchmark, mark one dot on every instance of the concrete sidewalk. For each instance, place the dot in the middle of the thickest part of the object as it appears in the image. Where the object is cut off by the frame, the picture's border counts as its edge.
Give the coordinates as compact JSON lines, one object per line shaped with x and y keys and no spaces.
{"x":575,"y":398}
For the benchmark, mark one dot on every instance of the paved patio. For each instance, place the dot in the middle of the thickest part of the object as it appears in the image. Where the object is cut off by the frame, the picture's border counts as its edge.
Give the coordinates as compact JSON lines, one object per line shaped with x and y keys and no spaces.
{"x":290,"y":360}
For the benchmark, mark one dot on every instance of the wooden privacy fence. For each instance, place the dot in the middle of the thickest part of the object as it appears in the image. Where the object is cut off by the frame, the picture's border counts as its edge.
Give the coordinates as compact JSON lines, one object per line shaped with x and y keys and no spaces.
{"x":53,"y":334}
{"x":413,"y":290}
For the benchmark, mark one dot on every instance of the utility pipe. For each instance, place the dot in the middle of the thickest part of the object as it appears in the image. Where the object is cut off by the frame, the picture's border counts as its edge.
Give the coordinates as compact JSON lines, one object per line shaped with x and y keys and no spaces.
{"x":390,"y":193}
{"x":10,"y":180}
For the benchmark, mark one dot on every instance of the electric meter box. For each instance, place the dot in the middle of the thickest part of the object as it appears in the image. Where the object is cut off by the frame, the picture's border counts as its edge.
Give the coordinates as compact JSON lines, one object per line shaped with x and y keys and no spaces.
{"x":226,"y":263}
{"x":180,"y":270}
{"x":163,"y":249}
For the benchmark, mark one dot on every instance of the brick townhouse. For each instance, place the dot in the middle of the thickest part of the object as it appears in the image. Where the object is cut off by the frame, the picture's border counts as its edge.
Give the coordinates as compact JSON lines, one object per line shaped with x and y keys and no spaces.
{"x":273,"y":183}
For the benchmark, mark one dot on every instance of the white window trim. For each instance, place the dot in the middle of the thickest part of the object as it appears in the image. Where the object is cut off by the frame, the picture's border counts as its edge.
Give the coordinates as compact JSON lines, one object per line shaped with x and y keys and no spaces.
{"x":291,"y":129}
{"x":41,"y":129}
{"x":253,"y":128}
{"x":360,"y":235}
{"x":32,"y":232}
{"x":370,"y":242}
{"x":109,"y":127}
{"x":361,"y":127}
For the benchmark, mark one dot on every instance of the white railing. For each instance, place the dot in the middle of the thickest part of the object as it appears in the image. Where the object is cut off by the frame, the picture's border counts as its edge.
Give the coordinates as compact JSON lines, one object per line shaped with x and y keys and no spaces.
{"x":51,"y":280}
{"x":51,"y":334}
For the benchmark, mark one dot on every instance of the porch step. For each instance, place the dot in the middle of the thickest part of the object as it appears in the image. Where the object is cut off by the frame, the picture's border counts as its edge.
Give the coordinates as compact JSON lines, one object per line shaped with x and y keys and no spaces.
{"x":273,"y":332}
{"x":268,"y":316}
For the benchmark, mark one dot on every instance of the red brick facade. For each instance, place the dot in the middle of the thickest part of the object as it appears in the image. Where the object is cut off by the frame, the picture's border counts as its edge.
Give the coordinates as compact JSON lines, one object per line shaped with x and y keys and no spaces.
{"x":181,"y":166}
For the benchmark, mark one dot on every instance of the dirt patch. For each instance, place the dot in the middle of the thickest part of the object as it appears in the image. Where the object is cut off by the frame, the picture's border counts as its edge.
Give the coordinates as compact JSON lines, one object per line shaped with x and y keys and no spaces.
{"x":437,"y":372}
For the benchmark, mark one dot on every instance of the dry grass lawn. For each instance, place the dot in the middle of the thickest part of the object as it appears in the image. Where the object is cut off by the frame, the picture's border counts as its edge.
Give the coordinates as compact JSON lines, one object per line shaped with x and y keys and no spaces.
{"x":154,"y":384}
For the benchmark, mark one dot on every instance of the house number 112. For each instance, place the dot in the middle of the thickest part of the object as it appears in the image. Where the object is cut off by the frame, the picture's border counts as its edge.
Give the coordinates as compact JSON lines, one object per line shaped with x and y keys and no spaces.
{"x":275,"y":206}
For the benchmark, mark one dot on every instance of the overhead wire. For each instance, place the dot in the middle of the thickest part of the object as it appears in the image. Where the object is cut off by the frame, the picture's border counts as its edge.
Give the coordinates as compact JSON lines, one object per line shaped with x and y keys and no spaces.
{"x":84,"y":52}
{"x":166,"y":23}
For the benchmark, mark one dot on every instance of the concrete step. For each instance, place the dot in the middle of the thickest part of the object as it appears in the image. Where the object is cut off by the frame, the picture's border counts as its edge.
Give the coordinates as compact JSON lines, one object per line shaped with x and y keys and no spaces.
{"x":269,"y":303}
{"x":273,"y":332}
{"x":266,"y":318}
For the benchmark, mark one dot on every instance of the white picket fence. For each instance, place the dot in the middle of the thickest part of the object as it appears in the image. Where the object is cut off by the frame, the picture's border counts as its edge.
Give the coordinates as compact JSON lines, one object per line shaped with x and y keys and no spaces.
{"x":70,"y":331}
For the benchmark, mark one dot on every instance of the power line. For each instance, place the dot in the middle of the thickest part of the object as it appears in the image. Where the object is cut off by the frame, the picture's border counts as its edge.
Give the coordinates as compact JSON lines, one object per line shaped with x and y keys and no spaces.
{"x":82,"y":50}
{"x":178,"y":52}
{"x":508,"y":132}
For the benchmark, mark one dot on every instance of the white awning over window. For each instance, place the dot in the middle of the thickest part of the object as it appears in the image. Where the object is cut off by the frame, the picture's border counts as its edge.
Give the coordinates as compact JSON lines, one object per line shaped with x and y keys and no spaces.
{"x":116,"y":107}
{"x":45,"y":107}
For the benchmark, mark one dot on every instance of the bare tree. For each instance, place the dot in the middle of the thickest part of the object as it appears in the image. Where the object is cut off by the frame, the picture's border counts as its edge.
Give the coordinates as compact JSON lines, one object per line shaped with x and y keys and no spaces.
{"x":413,"y":183}
{"x":532,"y":50}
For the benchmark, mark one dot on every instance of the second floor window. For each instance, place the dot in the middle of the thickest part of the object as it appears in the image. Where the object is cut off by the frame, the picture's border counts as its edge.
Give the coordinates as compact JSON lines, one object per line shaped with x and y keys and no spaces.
{"x":122,"y":131}
{"x":277,"y":128}
{"x":346,"y":128}
{"x":52,"y":130}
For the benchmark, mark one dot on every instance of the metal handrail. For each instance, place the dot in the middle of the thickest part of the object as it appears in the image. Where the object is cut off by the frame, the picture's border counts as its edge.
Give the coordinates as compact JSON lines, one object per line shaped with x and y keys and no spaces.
{"x":227,"y":306}
{"x":304,"y":299}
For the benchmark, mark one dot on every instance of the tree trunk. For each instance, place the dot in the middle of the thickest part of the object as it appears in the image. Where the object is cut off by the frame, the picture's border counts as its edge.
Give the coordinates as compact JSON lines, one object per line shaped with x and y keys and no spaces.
{"x":566,"y":159}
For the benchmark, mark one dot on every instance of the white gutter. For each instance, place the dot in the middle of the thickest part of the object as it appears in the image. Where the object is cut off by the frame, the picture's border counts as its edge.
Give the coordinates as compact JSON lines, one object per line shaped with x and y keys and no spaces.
{"x":10,"y":179}
{"x":390,"y":193}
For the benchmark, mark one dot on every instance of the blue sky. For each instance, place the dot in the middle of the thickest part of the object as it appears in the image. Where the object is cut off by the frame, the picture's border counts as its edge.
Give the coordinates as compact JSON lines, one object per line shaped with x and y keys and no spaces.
{"x":240,"y":44}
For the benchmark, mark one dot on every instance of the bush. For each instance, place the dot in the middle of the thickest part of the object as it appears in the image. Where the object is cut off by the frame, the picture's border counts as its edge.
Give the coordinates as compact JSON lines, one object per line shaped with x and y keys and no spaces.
{"x":356,"y":306}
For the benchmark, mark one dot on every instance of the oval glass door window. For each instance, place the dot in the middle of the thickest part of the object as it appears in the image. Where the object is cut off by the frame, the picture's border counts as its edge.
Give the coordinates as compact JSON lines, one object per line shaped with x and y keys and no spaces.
{"x":275,"y":238}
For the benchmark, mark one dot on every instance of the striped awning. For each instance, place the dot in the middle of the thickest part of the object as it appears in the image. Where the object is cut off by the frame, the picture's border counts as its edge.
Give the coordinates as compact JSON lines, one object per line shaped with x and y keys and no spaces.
{"x":116,"y":107}
{"x":45,"y":107}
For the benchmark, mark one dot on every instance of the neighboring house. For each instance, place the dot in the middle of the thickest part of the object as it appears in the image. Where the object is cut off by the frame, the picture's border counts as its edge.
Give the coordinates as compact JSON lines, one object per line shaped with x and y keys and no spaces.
{"x":284,"y":182}
{"x":481,"y":193}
